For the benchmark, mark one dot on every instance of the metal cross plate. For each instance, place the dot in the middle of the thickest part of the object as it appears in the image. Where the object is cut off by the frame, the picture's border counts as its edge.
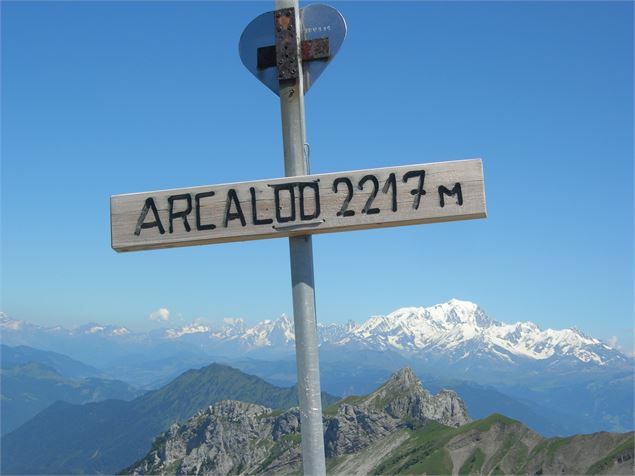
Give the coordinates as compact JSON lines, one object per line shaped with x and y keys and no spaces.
{"x":323,"y":32}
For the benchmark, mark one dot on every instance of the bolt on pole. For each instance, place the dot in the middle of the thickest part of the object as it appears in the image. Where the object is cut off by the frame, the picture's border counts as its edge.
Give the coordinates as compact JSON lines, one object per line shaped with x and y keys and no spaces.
{"x":301,"y":255}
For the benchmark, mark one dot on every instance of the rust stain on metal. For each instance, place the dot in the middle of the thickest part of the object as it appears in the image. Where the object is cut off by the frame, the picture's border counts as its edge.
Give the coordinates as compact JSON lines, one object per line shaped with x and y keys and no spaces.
{"x":284,"y":54}
{"x":286,"y":44}
{"x":315,"y":49}
{"x":283,"y":21}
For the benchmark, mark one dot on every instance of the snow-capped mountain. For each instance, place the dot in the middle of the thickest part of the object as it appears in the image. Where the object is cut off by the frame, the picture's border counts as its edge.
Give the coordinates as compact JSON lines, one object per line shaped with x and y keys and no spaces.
{"x":457,"y":329}
{"x":8,"y":324}
{"x":461,"y":330}
{"x":267,"y":333}
{"x":454,"y":331}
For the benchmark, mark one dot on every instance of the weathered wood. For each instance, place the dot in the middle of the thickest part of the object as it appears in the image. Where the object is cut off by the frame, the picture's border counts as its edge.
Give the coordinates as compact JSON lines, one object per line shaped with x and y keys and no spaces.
{"x":223,"y":213}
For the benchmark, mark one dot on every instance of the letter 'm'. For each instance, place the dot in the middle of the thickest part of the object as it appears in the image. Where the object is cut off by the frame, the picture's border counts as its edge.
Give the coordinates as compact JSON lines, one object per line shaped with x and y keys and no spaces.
{"x":455,"y":191}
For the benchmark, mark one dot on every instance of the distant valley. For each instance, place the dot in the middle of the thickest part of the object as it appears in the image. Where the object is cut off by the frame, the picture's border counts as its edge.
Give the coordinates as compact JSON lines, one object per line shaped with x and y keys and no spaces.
{"x":31,"y":380}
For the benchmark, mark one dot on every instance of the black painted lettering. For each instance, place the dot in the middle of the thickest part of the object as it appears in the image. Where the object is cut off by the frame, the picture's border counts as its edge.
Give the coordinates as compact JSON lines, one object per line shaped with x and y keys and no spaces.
{"x":149,"y":205}
{"x":419,"y":191}
{"x":391,"y":183}
{"x":451,"y":193}
{"x":316,"y":194}
{"x":182,"y":214}
{"x":254,"y":210}
{"x":367,"y":207}
{"x":289,"y":187}
{"x":232,"y":197}
{"x":344,"y":211}
{"x":197,"y":200}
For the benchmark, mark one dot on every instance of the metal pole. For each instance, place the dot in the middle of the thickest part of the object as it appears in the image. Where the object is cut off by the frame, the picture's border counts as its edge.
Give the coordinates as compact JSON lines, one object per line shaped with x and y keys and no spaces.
{"x":301,"y":254}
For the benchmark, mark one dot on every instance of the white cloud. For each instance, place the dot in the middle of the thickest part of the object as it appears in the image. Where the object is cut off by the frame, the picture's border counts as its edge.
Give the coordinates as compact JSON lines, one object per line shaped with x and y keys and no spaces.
{"x":160,"y":315}
{"x":614,"y":342}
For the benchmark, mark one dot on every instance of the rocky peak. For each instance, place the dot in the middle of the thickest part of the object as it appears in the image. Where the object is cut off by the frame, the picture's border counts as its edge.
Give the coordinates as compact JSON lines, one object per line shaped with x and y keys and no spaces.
{"x":404,"y":378}
{"x":403,"y":383}
{"x":403,"y":396}
{"x":235,"y":437}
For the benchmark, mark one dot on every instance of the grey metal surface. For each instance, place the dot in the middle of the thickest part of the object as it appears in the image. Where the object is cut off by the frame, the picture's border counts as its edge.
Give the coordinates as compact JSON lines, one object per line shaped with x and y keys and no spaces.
{"x":301,"y":254}
{"x":319,"y":21}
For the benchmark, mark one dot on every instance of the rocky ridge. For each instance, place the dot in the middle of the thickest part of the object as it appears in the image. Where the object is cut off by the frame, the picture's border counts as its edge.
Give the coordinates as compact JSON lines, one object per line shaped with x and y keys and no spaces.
{"x":236,"y":437}
{"x":398,"y":429}
{"x":403,"y":397}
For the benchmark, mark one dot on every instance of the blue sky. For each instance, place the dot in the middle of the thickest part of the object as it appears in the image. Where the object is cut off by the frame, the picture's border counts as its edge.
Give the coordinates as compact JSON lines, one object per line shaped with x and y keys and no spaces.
{"x":108,"y":98}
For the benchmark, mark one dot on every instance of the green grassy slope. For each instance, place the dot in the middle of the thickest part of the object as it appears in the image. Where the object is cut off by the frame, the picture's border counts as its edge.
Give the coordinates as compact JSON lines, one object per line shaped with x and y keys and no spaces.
{"x":427,"y":450}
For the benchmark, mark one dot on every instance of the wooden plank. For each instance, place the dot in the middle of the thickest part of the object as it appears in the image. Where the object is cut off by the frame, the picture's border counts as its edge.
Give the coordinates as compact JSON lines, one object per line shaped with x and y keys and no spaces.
{"x":392,"y":196}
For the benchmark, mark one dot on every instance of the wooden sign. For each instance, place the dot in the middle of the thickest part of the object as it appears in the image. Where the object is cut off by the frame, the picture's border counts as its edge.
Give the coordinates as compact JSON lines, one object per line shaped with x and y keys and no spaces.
{"x":393,"y":196}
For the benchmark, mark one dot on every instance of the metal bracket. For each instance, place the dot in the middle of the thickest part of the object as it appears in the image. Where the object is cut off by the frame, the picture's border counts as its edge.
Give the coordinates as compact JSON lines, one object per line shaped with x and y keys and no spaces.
{"x":284,"y":54}
{"x":266,"y":57}
{"x":286,"y":44}
{"x":292,"y":226}
{"x":315,"y":49}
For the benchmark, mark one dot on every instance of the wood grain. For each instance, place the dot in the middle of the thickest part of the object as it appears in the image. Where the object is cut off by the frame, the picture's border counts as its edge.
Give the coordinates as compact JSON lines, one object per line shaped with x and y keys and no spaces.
{"x":230,"y":207}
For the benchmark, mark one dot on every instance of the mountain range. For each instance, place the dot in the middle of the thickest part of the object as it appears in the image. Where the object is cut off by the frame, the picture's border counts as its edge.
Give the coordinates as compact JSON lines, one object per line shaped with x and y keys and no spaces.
{"x":102,"y":437}
{"x":456,"y":331}
{"x":400,"y":428}
{"x":557,"y":381}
